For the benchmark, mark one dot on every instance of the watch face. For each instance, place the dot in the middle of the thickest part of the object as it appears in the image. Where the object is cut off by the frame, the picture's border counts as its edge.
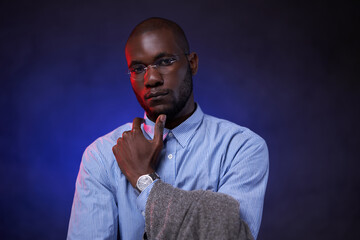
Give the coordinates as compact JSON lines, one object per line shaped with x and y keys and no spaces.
{"x":144,"y":181}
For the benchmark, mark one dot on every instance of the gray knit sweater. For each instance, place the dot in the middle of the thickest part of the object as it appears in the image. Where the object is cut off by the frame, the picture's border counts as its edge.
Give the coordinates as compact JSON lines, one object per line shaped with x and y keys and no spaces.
{"x":172,"y":213}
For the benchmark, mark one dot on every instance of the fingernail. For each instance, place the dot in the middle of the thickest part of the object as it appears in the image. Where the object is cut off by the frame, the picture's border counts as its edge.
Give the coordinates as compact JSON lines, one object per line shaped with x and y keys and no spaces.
{"x":163,"y":118}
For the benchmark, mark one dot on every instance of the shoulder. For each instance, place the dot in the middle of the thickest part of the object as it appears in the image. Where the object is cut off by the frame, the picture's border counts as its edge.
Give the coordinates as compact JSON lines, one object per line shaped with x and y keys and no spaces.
{"x":237,"y":143}
{"x":225,"y":129}
{"x":101,"y":148}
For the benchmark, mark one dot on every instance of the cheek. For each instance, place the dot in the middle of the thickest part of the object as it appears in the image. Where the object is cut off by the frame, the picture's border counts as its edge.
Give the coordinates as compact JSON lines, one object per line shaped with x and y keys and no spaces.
{"x":176,"y":79}
{"x":138,"y":87}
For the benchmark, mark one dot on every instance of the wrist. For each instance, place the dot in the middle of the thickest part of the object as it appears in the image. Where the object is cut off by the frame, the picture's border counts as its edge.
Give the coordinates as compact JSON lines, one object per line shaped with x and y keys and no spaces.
{"x":146,"y":180}
{"x":132,"y":178}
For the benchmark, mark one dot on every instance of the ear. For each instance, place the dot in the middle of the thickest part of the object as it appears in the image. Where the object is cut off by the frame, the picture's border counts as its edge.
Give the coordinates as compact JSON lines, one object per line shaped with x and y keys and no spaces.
{"x":194,"y":62}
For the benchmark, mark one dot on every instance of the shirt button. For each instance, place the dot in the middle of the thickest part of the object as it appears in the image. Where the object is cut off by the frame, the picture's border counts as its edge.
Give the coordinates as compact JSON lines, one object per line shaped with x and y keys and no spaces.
{"x":171,"y":134}
{"x":170,"y":156}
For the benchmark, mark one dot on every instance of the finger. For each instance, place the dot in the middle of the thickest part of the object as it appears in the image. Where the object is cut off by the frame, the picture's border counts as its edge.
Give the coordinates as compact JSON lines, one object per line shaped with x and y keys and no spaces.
{"x":137,"y":123}
{"x":124,"y":135}
{"x":159,"y":128}
{"x":114,"y":149}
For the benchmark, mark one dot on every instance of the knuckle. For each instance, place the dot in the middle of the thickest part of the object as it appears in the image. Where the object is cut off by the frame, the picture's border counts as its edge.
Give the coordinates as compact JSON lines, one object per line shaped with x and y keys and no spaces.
{"x":125,"y":134}
{"x":135,"y":130}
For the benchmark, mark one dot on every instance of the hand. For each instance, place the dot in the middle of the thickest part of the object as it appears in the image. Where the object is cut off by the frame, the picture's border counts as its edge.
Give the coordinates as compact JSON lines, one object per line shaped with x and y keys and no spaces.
{"x":135,"y":154}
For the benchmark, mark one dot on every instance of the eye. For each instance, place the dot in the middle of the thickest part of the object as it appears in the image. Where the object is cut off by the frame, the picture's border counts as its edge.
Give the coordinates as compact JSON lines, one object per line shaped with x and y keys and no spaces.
{"x":166,"y":61}
{"x":137,"y":69}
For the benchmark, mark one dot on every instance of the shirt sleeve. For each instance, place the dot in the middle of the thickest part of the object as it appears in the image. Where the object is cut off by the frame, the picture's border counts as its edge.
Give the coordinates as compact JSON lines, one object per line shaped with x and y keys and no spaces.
{"x":245,"y":177}
{"x":143,"y":197}
{"x":94,"y":213}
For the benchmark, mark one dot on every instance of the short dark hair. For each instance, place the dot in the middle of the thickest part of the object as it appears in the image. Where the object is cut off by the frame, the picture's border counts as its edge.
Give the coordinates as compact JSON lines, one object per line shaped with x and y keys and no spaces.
{"x":156,"y":23}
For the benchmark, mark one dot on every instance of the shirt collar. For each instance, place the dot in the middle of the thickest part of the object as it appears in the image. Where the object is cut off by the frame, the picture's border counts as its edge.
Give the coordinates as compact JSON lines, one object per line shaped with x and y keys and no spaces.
{"x":182,"y":133}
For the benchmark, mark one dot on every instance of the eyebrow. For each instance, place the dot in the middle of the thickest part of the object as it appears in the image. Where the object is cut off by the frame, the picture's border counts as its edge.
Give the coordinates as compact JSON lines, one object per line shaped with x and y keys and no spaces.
{"x":158,"y":56}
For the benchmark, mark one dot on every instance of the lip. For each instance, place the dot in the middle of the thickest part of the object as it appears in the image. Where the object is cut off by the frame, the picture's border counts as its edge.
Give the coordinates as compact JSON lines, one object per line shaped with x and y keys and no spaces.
{"x":156,"y":94}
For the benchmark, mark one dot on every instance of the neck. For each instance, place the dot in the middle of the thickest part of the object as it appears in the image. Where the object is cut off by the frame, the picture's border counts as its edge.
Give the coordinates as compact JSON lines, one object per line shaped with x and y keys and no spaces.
{"x":173,"y":123}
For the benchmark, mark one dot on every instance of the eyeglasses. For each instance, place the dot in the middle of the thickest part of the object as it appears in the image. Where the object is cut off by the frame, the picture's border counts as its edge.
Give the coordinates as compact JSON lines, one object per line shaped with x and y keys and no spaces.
{"x":164,"y":65}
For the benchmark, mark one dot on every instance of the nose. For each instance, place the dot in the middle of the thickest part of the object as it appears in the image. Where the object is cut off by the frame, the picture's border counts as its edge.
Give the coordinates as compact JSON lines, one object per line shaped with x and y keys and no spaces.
{"x":152,"y":77}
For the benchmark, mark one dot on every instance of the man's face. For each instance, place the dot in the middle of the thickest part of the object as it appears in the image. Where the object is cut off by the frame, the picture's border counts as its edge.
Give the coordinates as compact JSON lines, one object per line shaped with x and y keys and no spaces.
{"x":158,"y":93}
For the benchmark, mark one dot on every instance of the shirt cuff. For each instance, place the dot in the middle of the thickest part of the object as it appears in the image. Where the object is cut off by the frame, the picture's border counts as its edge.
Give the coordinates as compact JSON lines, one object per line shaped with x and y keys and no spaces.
{"x":143,"y":197}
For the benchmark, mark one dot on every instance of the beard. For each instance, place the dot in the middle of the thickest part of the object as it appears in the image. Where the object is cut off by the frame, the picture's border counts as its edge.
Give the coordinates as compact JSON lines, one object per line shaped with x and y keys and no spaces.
{"x":177,"y":105}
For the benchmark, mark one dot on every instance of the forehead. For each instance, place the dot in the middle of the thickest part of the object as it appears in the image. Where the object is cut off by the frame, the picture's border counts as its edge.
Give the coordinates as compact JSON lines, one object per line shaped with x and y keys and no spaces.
{"x":146,"y":46}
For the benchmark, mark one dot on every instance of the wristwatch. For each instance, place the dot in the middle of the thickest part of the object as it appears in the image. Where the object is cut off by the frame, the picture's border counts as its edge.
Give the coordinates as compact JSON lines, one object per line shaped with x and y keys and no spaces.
{"x":145,"y":180}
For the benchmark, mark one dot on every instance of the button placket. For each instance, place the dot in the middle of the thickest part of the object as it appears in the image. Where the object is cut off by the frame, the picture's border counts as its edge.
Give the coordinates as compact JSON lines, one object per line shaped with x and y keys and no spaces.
{"x":167,"y":167}
{"x":171,"y":135}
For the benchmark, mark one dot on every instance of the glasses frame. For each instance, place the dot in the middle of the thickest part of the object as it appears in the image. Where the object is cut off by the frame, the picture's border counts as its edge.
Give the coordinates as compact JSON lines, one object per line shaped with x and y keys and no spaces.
{"x":156,"y":66}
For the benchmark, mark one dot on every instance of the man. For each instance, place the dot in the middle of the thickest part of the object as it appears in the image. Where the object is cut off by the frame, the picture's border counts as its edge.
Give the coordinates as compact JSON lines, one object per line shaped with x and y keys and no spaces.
{"x":140,"y":171}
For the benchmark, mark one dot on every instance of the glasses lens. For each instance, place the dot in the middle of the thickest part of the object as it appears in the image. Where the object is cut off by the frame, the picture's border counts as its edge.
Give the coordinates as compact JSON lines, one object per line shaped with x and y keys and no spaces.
{"x":137,"y":72}
{"x":163,"y":66}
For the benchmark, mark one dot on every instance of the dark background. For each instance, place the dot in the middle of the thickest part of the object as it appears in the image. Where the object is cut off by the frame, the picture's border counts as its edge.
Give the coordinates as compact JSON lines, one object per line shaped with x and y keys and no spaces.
{"x":287,"y":70}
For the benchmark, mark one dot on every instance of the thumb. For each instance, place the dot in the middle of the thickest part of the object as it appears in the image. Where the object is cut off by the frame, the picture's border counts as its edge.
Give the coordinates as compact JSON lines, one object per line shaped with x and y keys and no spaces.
{"x":159,"y":128}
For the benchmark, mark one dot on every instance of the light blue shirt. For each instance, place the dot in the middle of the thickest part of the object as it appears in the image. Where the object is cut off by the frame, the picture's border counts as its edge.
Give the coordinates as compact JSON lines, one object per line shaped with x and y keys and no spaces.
{"x":203,"y":152}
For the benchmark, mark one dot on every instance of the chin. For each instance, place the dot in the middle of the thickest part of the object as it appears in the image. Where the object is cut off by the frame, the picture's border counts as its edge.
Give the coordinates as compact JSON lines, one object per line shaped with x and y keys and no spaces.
{"x":155,"y":111}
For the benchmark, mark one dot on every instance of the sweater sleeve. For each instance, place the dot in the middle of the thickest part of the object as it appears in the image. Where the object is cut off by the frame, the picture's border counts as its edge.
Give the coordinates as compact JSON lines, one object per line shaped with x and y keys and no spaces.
{"x":172,"y":213}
